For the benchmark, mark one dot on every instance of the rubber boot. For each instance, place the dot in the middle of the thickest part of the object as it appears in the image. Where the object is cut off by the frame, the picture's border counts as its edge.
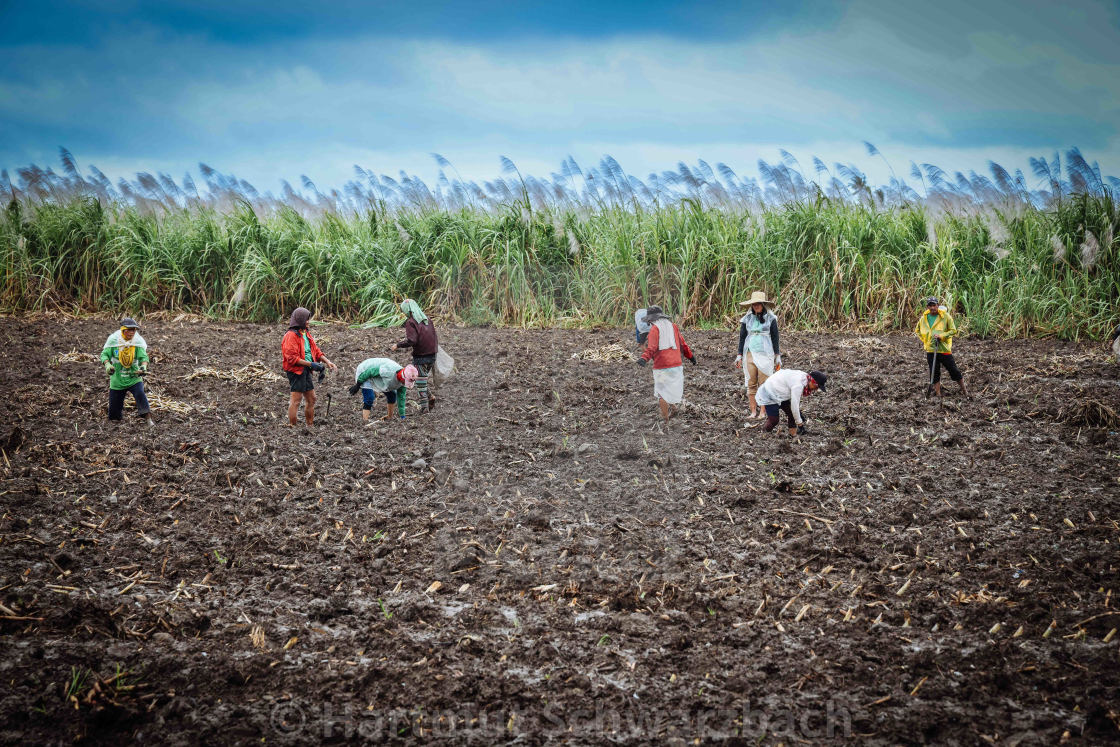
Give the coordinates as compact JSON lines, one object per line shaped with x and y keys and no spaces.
{"x":964,"y":391}
{"x":937,"y":389}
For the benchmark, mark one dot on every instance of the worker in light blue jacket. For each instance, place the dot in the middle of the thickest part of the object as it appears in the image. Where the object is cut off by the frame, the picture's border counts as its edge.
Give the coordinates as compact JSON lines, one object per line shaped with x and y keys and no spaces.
{"x":641,"y":327}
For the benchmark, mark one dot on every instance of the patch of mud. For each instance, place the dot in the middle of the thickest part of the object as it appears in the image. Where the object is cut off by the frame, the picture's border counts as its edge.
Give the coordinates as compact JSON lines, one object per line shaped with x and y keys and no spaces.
{"x":541,"y":559}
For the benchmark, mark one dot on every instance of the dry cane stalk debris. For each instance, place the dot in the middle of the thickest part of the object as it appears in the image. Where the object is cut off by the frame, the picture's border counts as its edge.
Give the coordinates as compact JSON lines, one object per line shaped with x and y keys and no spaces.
{"x":250,"y":373}
{"x":608,"y":353}
{"x":74,"y":356}
{"x":160,"y":402}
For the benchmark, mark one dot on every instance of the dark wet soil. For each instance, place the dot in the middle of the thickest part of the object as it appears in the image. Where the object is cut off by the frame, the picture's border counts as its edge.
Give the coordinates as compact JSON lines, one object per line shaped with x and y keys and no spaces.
{"x":537,"y":560}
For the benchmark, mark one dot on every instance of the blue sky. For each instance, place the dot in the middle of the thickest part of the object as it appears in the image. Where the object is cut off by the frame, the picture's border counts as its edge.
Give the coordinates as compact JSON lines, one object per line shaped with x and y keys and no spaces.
{"x":271,"y":90}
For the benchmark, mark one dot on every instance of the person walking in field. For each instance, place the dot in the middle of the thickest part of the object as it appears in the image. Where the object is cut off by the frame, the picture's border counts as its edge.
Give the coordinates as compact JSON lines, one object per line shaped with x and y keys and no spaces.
{"x":783,"y":392}
{"x":759,"y":351}
{"x":384,"y":375}
{"x":420,"y":335}
{"x":125,"y":356}
{"x":665,"y":348}
{"x":300,"y":356}
{"x":936,"y":329}
{"x":641,"y":329}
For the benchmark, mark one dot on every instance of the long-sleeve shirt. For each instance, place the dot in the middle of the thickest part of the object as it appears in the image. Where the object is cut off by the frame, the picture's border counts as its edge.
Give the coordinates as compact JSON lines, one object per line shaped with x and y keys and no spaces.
{"x":380,"y":375}
{"x":743,"y":334}
{"x":943,"y":325}
{"x":421,"y":337}
{"x":669,"y":357}
{"x":124,"y":377}
{"x":787,"y":384}
{"x":297,"y":346}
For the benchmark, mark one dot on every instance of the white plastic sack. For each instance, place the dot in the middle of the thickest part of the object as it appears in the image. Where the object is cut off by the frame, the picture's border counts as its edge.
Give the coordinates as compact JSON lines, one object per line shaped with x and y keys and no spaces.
{"x":445,"y":364}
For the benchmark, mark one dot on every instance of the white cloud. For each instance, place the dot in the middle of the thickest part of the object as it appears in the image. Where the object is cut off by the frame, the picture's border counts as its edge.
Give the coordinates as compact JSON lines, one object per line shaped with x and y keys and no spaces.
{"x":898,"y":76}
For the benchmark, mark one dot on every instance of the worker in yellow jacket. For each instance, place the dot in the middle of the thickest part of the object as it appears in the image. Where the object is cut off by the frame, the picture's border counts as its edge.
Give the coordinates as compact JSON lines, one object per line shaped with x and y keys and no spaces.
{"x":937,"y":329}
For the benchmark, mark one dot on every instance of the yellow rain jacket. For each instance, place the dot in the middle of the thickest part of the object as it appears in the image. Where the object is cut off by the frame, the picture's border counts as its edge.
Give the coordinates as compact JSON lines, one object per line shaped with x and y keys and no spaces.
{"x":944,"y":326}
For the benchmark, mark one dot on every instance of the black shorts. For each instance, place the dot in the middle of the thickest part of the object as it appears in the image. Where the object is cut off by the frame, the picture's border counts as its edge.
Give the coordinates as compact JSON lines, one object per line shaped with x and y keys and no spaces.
{"x":301,"y":382}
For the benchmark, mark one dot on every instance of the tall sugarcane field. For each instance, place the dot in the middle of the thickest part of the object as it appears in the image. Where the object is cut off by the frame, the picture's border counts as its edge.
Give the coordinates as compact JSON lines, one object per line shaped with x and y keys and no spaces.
{"x":513,"y":534}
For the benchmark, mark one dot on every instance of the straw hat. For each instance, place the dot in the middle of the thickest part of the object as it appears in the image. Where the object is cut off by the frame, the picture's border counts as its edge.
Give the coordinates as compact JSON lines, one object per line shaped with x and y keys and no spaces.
{"x":758,"y":297}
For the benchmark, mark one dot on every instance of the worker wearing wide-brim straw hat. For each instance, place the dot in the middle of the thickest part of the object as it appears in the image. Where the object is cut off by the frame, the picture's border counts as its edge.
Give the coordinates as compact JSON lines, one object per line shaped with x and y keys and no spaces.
{"x":759,"y":352}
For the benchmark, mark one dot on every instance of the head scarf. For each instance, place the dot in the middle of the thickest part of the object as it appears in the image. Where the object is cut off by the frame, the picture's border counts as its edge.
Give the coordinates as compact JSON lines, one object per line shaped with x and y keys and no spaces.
{"x":299,"y":318}
{"x":408,"y":375}
{"x":408,"y":306}
{"x":126,"y":355}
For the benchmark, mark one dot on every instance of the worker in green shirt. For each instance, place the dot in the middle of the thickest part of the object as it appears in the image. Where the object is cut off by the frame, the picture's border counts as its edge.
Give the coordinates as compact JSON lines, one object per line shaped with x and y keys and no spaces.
{"x":125,"y":356}
{"x":386,"y":376}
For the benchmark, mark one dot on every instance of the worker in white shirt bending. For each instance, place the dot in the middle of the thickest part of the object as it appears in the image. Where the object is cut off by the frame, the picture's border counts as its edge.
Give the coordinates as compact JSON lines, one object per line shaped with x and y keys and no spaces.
{"x":783,"y":391}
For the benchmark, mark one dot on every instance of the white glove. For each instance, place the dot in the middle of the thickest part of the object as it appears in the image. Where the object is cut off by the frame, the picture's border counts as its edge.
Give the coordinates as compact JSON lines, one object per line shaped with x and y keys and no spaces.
{"x":738,"y":358}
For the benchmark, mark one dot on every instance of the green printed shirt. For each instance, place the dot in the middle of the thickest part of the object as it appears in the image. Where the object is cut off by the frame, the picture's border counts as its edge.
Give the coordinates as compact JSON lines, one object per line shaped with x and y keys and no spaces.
{"x":122,"y":377}
{"x":380,"y":375}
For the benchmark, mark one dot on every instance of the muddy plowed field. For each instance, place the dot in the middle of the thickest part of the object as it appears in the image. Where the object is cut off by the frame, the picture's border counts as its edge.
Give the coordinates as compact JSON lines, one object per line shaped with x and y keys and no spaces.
{"x":539,"y":560}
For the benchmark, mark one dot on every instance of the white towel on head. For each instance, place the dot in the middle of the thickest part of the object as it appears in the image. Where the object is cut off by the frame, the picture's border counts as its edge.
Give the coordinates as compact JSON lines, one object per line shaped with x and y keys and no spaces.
{"x":665,"y":337}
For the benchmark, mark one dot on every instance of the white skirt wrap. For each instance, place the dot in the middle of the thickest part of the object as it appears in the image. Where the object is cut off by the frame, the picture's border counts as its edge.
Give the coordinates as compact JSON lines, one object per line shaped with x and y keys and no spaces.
{"x":668,"y":384}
